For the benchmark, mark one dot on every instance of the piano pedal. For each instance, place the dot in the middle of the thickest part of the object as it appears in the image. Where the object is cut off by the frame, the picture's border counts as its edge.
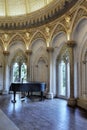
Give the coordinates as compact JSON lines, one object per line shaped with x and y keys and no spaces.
{"x":22,"y":98}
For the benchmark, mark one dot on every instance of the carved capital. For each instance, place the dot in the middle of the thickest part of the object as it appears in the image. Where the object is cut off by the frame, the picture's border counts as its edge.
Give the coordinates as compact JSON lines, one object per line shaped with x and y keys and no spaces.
{"x":6,"y":53}
{"x":28,"y":52}
{"x":50,"y":49}
{"x":71,"y":43}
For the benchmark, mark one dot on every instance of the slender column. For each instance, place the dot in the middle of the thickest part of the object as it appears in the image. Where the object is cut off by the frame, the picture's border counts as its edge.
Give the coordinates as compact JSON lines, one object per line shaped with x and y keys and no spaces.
{"x":50,"y":93}
{"x":19,"y":72}
{"x":71,"y":100}
{"x":28,"y":52}
{"x":6,"y":76}
{"x":84,"y":67}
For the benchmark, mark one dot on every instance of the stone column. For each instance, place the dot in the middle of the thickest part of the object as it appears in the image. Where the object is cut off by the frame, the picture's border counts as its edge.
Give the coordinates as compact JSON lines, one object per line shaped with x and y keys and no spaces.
{"x":20,"y":64}
{"x":71,"y":100}
{"x":50,"y":93}
{"x":6,"y":71}
{"x":28,"y":52}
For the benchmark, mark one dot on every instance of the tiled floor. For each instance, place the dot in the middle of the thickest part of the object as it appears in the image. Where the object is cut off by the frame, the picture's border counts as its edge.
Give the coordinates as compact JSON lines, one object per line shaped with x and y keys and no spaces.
{"x":43,"y":115}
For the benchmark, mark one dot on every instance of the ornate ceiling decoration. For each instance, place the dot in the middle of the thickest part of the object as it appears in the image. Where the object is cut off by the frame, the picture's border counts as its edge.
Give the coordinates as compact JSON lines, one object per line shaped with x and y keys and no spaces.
{"x":50,"y":12}
{"x":21,"y":7}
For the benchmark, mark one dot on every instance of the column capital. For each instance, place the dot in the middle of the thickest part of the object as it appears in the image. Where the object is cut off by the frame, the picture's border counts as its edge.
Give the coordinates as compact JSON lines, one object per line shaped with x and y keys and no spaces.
{"x":6,"y":53}
{"x":28,"y":52}
{"x":50,"y":49}
{"x":71,"y":43}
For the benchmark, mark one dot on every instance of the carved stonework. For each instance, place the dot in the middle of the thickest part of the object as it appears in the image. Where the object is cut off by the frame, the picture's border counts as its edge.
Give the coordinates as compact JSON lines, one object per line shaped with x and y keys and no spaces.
{"x":40,"y":17}
{"x":85,"y":3}
{"x":71,"y":43}
{"x":45,"y":32}
{"x":50,"y":49}
{"x":38,"y":35}
{"x":81,"y":12}
{"x":28,"y":52}
{"x":64,"y":51}
{"x":59,"y":28}
{"x":6,"y":53}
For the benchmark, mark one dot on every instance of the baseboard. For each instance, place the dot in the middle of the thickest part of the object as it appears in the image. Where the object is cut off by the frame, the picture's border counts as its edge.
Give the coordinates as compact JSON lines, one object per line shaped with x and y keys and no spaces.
{"x":82,"y":103}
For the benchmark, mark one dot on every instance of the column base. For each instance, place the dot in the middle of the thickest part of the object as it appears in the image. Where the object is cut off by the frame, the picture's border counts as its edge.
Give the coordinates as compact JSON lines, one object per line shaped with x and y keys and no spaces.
{"x":71,"y":102}
{"x":82,"y":103}
{"x":49,"y":95}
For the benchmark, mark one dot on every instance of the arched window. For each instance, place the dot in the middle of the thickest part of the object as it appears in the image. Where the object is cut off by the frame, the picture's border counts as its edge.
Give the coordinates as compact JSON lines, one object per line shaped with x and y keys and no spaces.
{"x":19,"y":72}
{"x":24,"y":72}
{"x":63,"y":76}
{"x":19,"y":67}
{"x":15,"y":72}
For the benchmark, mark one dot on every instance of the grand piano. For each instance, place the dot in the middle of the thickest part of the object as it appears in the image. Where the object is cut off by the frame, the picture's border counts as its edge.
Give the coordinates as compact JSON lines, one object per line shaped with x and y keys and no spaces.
{"x":27,"y":87}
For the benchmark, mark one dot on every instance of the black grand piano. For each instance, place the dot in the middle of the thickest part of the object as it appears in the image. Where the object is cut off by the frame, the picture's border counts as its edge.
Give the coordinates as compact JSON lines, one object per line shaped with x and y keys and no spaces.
{"x":28,"y":87}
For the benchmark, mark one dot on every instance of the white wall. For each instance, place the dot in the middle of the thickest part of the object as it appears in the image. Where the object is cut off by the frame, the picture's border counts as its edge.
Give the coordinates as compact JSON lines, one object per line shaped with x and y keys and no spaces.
{"x":58,"y":41}
{"x":80,"y":36}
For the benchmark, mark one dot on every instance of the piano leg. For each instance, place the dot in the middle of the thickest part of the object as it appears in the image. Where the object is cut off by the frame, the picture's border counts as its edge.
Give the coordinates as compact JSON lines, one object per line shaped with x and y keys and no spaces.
{"x":41,"y":95}
{"x":13,"y":101}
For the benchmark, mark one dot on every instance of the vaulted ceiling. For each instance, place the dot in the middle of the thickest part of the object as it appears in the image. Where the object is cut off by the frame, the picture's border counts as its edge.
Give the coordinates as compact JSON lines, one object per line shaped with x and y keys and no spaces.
{"x":22,"y":14}
{"x":21,"y":7}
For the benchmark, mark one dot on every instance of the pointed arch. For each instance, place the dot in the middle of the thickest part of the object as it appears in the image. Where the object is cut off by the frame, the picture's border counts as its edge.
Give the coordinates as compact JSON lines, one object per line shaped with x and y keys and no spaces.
{"x":40,"y":69}
{"x":16,"y":36}
{"x":78,"y":16}
{"x":79,"y":21}
{"x":83,"y":48}
{"x":58,"y":27}
{"x":18,"y":53}
{"x":63,"y":53}
{"x":37,"y":35}
{"x":43,"y":58}
{"x":58,"y":35}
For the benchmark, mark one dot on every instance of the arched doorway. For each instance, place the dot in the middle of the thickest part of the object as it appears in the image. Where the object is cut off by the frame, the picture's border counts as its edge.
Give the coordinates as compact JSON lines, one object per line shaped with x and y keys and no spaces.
{"x":63,"y":76}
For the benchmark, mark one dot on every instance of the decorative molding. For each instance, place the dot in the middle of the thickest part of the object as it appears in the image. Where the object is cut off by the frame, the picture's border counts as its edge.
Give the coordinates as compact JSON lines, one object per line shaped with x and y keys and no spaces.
{"x":71,"y":43}
{"x":43,"y":16}
{"x":28,"y":52}
{"x":50,"y":49}
{"x":28,"y":35}
{"x":6,"y":53}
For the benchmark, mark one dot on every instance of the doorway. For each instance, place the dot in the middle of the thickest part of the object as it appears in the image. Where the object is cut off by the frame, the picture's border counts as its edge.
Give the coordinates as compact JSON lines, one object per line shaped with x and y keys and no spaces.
{"x":63,"y":78}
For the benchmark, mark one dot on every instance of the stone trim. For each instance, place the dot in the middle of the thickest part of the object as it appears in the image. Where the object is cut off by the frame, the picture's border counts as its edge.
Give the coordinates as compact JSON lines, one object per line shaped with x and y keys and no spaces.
{"x":43,"y":16}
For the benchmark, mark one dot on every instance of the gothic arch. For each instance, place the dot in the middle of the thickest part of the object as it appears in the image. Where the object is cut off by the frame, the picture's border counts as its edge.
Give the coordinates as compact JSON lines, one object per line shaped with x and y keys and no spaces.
{"x":81,"y":20}
{"x":42,"y":57}
{"x":59,"y":27}
{"x":40,"y":70}
{"x":63,"y":57}
{"x":79,"y":15}
{"x":37,"y":35}
{"x":19,"y":55}
{"x":62,"y":33}
{"x":16,"y":37}
{"x":64,"y":52}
